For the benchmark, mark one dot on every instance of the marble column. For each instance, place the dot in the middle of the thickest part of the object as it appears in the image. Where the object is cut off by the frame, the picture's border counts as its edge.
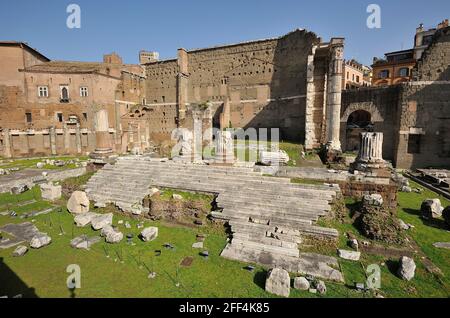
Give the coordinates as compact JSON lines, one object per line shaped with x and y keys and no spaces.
{"x":103,"y":140}
{"x":7,"y":152}
{"x":52,"y":136}
{"x":78,"y":138}
{"x":334,"y":90}
{"x":371,"y":147}
{"x":224,"y":147}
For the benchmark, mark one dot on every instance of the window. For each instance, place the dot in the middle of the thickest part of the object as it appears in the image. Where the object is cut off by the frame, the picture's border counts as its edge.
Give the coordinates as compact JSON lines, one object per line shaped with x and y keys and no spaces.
{"x":403,"y":72}
{"x":357,"y":79}
{"x":414,"y":143}
{"x":28,"y":117}
{"x":64,"y":90}
{"x":353,"y":77}
{"x":85,"y":116}
{"x":59,"y":117}
{"x":163,"y":99}
{"x":43,"y":91}
{"x":383,"y":74}
{"x":84,"y":91}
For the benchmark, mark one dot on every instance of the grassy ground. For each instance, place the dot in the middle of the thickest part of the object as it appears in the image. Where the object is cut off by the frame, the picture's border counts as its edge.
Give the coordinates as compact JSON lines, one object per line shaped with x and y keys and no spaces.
{"x":31,"y":163}
{"x":121,"y":270}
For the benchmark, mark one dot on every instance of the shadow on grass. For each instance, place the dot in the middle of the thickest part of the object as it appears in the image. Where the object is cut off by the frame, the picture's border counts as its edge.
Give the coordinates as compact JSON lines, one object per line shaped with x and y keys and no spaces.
{"x":260,"y":279}
{"x":392,"y":266}
{"x":11,"y":285}
{"x":436,"y":223}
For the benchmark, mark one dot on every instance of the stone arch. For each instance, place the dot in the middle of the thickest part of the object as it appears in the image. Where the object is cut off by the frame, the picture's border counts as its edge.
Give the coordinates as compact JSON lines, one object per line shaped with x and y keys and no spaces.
{"x":365,"y":115}
{"x":366,"y":106}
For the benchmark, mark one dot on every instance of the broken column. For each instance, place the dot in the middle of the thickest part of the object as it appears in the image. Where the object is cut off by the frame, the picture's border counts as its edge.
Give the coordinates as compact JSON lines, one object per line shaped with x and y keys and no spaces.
{"x":370,"y":156}
{"x":103,"y":141}
{"x":224,"y":147}
{"x":334,"y":89}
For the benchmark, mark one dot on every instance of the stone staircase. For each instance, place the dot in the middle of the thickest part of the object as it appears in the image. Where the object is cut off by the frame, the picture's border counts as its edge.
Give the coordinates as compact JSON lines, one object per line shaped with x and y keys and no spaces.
{"x":268,"y":216}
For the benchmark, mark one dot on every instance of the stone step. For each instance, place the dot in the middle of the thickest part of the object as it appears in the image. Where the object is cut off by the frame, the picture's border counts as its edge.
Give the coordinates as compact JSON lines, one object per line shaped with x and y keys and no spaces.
{"x":280,"y":251}
{"x":287,"y":202}
{"x":270,"y":217}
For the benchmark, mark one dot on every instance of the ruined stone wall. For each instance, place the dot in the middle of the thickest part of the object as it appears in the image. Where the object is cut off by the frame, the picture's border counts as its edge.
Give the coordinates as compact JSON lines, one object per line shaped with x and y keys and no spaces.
{"x":425,"y":121}
{"x":264,"y":80}
{"x":383,"y":106}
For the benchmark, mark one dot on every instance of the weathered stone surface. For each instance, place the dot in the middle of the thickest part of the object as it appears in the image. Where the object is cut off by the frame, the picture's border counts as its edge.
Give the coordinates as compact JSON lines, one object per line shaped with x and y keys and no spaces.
{"x":406,"y":189}
{"x":407,"y":268}
{"x":354,"y":244}
{"x":349,"y":255}
{"x":40,"y":165}
{"x":177,"y":197}
{"x":154,"y":191}
{"x":21,"y":188}
{"x":84,"y":242}
{"x":78,"y":203}
{"x":403,"y":225}
{"x":442,"y":245}
{"x":20,"y":251}
{"x":40,"y":240}
{"x":101,"y":220}
{"x":373,"y":199}
{"x":321,"y":287}
{"x":197,"y":245}
{"x":114,"y":236}
{"x":51,"y":192}
{"x":273,"y":158}
{"x":149,"y":234}
{"x":431,"y":208}
{"x":301,"y":283}
{"x":278,"y":282}
{"x":84,"y":219}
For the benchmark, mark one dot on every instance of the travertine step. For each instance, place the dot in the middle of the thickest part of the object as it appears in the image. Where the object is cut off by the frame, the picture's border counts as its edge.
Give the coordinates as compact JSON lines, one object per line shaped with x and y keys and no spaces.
{"x":267,"y":215}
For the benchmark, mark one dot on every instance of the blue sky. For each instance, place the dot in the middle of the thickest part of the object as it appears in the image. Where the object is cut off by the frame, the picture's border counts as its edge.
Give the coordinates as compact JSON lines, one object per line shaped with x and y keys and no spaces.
{"x":127,"y":27}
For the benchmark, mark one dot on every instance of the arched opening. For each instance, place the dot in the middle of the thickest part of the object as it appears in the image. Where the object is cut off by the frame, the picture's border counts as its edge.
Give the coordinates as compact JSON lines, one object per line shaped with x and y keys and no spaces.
{"x":359,"y":121}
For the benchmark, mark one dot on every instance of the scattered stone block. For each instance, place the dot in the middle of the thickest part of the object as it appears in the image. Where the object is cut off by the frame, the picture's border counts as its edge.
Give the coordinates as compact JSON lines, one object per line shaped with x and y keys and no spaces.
{"x":40,"y":240}
{"x":273,"y":158}
{"x":431,"y":208}
{"x":21,"y":188}
{"x":101,"y":220}
{"x":321,"y":287}
{"x":84,"y":242}
{"x":403,"y":225}
{"x":20,"y":251}
{"x":149,"y":234}
{"x":154,"y":192}
{"x":442,"y":245}
{"x":40,"y":165}
{"x":301,"y":283}
{"x":354,"y":244}
{"x":406,"y":189}
{"x":84,"y":219}
{"x":114,"y":236}
{"x":373,"y":199}
{"x":197,"y":245}
{"x":407,"y":268}
{"x":78,"y":203}
{"x":177,"y":197}
{"x":349,"y":255}
{"x":127,"y":225}
{"x":278,"y":282}
{"x":51,"y":192}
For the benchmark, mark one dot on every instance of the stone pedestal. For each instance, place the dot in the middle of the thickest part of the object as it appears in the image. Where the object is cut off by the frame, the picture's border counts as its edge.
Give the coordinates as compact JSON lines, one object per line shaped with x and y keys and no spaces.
{"x":103,"y":147}
{"x":370,"y":156}
{"x":224,"y":148}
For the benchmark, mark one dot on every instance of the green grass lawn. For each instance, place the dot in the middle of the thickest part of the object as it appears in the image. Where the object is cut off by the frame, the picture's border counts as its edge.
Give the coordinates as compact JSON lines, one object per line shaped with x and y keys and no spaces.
{"x":121,"y":270}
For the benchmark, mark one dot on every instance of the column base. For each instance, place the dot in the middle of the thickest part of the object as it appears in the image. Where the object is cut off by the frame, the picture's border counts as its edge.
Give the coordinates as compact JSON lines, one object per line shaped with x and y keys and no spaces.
{"x":101,"y":153}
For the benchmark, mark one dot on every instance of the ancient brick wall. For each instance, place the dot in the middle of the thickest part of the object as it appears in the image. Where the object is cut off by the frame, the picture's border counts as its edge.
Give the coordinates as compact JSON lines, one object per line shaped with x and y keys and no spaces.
{"x":383,"y":106}
{"x":264,"y":80}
